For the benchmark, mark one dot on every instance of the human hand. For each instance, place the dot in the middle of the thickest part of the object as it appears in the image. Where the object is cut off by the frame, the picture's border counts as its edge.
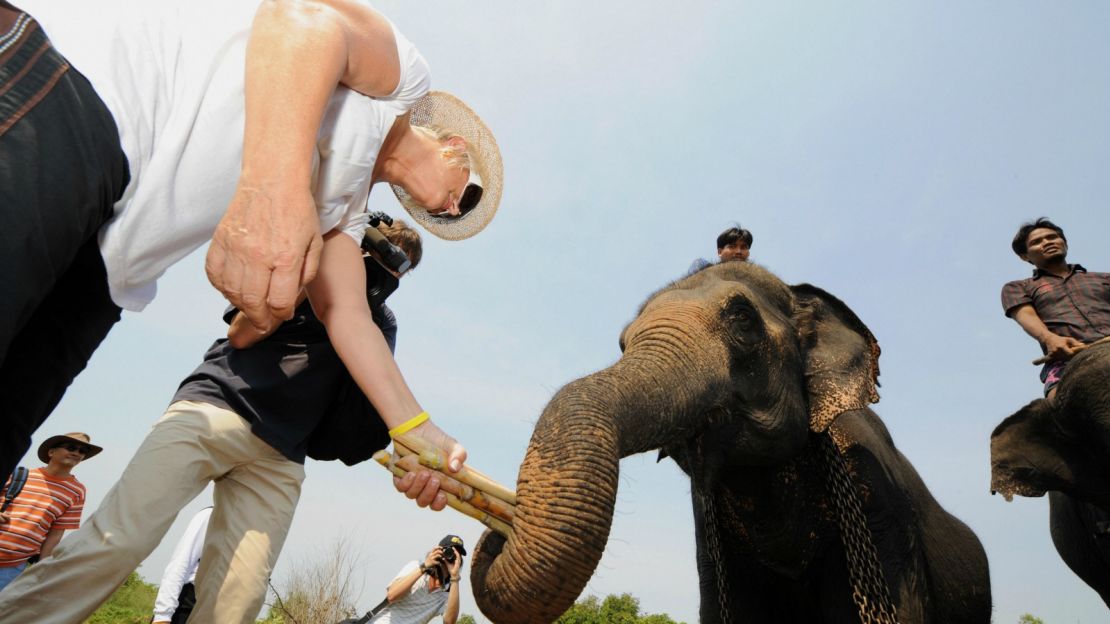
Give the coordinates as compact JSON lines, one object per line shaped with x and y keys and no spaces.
{"x":264,"y":249}
{"x":1061,"y":347}
{"x":434,"y":557}
{"x":423,"y":485}
{"x":454,"y":567}
{"x":5,"y":518}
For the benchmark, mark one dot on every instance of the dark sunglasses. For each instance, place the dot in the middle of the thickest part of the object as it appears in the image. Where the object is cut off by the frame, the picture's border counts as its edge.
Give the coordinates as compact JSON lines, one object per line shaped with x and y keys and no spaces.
{"x":75,"y":448}
{"x":472,"y":194}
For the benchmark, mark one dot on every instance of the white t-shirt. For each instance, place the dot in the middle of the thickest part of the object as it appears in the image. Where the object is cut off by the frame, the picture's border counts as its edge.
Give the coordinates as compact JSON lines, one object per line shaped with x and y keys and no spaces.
{"x":172,"y":73}
{"x":418,"y":607}
{"x":182,"y":567}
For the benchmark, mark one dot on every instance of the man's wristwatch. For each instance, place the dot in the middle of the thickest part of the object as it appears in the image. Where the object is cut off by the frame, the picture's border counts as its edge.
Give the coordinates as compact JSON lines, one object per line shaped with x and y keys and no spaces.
{"x":454,"y":579}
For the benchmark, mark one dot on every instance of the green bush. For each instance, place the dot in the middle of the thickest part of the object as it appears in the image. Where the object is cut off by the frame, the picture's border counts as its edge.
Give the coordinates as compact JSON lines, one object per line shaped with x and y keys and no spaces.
{"x":132,"y":603}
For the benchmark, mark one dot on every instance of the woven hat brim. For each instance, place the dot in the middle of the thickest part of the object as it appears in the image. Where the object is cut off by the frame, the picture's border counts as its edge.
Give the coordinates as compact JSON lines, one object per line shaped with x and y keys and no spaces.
{"x":439,"y":108}
{"x":53,"y":441}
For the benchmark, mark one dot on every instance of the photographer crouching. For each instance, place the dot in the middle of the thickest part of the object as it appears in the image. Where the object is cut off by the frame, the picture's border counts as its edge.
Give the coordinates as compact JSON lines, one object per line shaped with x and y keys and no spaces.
{"x":423,"y":590}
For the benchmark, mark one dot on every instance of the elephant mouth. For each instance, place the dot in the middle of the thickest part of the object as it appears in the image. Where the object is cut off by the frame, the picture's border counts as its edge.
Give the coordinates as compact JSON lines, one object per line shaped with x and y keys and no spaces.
{"x":1010,"y":481}
{"x":719,"y":446}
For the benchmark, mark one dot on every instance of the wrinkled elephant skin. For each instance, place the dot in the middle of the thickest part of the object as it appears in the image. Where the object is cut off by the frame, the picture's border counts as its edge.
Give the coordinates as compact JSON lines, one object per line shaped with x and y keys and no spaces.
{"x":1062,"y":446}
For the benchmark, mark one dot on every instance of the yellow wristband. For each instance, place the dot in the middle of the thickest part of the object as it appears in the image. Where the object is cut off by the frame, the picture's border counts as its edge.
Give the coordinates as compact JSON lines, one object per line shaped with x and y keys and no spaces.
{"x":409,"y":424}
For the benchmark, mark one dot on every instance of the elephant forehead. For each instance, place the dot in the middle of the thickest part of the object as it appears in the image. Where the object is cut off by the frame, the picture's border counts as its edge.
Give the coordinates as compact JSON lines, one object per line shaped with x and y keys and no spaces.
{"x":713,"y":295}
{"x":749,"y":274}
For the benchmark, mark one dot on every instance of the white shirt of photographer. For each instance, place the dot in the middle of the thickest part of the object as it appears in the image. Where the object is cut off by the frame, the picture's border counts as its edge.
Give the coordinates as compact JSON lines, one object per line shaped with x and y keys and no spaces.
{"x":418,"y":607}
{"x":182,"y":567}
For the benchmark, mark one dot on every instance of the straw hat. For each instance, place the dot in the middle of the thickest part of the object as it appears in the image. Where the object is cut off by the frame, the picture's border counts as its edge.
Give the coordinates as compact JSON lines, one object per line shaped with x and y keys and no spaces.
{"x":58,"y":440}
{"x":446,"y":111}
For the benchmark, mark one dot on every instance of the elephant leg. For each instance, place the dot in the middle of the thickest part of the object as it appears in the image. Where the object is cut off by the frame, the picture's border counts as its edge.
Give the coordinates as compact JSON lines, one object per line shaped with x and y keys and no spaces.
{"x":1079,"y":532}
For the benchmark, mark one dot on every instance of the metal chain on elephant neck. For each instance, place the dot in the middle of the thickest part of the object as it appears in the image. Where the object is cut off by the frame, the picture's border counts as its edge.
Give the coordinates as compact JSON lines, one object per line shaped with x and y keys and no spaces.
{"x":869,"y":589}
{"x":713,"y":545}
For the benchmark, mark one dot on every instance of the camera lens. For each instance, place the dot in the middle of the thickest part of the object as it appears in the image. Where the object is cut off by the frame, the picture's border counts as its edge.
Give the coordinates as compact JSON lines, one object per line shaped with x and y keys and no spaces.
{"x":449,"y":555}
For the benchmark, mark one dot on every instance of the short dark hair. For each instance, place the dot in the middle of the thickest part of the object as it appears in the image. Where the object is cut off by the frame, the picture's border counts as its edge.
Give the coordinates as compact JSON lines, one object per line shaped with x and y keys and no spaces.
{"x":732,"y":235}
{"x":1020,"y":239}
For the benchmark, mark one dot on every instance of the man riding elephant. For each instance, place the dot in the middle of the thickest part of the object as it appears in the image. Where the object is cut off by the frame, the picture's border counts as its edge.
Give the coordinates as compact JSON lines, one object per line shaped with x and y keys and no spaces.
{"x":1062,"y":305}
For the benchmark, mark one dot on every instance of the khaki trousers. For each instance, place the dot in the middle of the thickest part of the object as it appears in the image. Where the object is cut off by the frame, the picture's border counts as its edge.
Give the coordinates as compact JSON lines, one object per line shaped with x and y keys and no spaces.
{"x":256,"y":492}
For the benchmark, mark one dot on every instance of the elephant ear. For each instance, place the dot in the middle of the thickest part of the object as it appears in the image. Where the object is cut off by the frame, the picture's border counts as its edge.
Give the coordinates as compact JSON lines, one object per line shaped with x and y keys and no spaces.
{"x":841,"y":356}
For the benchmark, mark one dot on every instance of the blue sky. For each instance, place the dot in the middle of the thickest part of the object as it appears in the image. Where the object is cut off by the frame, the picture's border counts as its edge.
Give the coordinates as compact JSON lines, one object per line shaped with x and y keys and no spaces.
{"x":884,"y":152}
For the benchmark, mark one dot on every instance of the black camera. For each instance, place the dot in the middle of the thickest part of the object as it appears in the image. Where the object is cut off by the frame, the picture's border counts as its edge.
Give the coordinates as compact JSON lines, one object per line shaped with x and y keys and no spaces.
{"x":390,"y":254}
{"x":449,"y":555}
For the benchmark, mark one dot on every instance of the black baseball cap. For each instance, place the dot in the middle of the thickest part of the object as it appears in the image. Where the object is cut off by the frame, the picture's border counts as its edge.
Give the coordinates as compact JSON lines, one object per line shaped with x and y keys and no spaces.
{"x":453,"y":541}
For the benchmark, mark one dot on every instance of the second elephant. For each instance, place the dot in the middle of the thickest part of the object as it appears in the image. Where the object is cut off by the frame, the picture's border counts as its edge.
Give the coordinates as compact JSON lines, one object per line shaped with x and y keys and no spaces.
{"x":1062,"y":446}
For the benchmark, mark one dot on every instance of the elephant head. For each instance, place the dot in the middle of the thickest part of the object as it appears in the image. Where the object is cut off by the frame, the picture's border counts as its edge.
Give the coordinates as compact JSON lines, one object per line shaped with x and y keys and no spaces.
{"x":728,"y":369}
{"x":1060,"y":444}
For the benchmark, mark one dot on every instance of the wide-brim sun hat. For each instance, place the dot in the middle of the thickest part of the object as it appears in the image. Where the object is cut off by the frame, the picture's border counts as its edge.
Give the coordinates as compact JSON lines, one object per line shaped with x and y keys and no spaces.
{"x":58,"y":440}
{"x":443,"y":110}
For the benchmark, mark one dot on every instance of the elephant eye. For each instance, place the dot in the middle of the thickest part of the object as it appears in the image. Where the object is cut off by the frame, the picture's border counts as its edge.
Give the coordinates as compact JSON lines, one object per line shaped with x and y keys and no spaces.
{"x":741,"y":315}
{"x":744,"y":320}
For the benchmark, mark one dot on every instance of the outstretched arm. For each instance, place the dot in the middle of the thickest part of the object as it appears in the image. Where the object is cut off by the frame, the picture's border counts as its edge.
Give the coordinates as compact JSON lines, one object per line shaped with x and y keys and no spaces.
{"x":268,"y":243}
{"x":338,"y":297}
{"x":1056,"y":347}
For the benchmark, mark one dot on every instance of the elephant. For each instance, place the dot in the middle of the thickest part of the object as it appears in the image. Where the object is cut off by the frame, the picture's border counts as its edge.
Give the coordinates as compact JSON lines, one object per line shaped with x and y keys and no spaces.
{"x":1062,"y":446}
{"x":745,"y":382}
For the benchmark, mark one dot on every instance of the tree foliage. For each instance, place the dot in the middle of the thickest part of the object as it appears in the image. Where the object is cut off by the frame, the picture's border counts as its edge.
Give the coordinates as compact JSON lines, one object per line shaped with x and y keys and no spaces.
{"x":1029,"y":619}
{"x":132,"y":603}
{"x":622,"y":609}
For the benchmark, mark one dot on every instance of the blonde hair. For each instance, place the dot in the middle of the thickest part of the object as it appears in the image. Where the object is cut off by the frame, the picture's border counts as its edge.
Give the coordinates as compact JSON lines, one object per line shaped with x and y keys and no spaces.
{"x":455,"y":156}
{"x":458,"y":157}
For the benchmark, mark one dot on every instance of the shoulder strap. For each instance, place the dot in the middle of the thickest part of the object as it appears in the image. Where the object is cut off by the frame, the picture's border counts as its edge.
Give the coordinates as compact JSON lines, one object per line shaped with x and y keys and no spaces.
{"x":15,"y":486}
{"x":372,"y":612}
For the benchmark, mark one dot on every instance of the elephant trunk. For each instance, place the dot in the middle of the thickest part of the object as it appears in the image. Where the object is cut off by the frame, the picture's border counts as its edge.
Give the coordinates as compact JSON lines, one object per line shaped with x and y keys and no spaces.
{"x":567,"y":486}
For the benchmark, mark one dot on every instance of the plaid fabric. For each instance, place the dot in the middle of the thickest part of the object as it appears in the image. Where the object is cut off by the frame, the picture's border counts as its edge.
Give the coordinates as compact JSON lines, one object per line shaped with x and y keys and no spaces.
{"x":29,"y":65}
{"x":1077,"y":305}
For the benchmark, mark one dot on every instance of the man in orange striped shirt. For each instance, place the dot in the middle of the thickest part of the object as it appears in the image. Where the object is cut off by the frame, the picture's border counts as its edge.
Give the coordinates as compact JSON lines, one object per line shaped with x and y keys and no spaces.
{"x":50,"y":502}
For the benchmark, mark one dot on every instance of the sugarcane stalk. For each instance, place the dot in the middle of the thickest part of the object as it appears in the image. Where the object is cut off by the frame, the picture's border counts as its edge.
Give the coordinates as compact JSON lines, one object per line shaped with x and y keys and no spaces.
{"x":434,"y":458}
{"x":493,"y":522}
{"x":486,"y":502}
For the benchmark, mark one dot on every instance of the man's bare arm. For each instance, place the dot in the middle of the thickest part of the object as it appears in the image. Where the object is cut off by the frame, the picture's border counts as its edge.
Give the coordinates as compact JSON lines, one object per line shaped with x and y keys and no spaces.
{"x":1056,"y":347}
